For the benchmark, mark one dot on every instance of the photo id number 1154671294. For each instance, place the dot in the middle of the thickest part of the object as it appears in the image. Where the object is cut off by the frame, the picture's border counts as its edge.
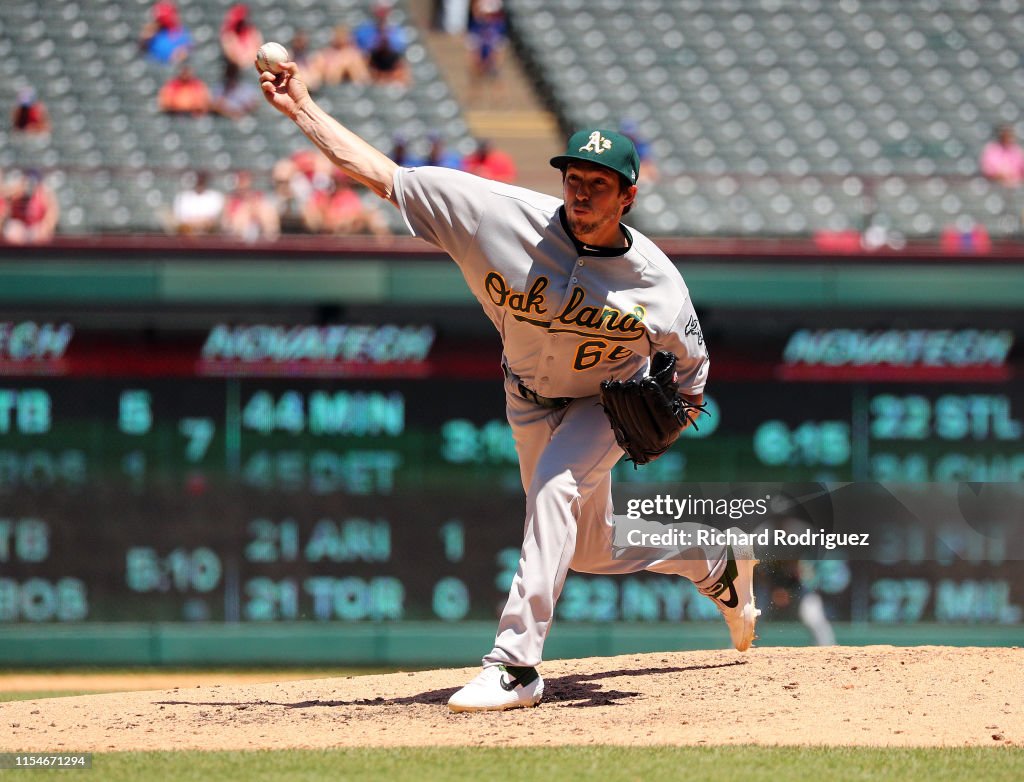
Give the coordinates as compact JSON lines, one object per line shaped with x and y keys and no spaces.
{"x":65,"y":760}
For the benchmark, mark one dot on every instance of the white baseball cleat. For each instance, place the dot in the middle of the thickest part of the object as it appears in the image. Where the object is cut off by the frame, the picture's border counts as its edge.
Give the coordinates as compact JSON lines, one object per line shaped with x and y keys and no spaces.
{"x":733,"y":594}
{"x":499,"y":687}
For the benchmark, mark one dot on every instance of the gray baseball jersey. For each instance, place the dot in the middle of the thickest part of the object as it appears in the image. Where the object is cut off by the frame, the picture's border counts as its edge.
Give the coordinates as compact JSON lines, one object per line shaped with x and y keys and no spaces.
{"x":569,"y":315}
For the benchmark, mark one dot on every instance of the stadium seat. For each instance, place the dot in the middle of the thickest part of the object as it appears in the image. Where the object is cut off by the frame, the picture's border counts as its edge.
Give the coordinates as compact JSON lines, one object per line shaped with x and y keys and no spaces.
{"x":83,"y":59}
{"x":798,"y":107}
{"x":833,"y":90}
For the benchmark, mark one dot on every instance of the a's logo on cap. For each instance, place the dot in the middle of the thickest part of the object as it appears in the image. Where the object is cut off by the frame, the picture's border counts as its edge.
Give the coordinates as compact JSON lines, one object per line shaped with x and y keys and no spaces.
{"x":596,"y":144}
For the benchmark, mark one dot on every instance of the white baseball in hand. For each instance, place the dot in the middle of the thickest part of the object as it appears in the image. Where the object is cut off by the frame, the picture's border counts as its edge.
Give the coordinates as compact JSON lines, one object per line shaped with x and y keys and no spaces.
{"x":270,"y":56}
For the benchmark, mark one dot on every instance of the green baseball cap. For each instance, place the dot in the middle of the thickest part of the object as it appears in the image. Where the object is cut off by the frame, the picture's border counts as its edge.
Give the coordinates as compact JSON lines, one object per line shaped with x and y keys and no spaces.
{"x":604,"y":147}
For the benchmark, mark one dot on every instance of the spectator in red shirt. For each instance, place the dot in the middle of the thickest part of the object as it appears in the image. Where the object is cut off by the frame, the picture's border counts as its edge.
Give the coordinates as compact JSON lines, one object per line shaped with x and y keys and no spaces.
{"x":30,"y":115}
{"x":339,"y":210}
{"x":239,"y":37}
{"x":184,"y":93}
{"x":305,"y":171}
{"x":4,"y":202}
{"x":33,"y":211}
{"x":490,"y":163}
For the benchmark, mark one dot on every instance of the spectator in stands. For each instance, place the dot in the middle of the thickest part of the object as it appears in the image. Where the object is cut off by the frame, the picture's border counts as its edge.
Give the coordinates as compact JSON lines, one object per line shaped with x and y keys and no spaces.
{"x":305,"y":171}
{"x":339,"y":210}
{"x":400,"y":152}
{"x":631,"y":130}
{"x":32,"y":211}
{"x":1002,"y":159}
{"x":303,"y":57}
{"x":164,"y":39}
{"x":388,"y":65}
{"x":340,"y":61}
{"x":964,"y":237}
{"x":287,"y":203}
{"x":490,"y":163}
{"x":239,"y":37}
{"x":439,"y":155}
{"x":250,"y":215}
{"x":197,"y":209}
{"x":184,"y":93}
{"x":488,"y":37}
{"x":236,"y":96}
{"x":369,"y":33}
{"x":30,"y":115}
{"x":4,"y":201}
{"x":486,"y":41}
{"x":450,"y":16}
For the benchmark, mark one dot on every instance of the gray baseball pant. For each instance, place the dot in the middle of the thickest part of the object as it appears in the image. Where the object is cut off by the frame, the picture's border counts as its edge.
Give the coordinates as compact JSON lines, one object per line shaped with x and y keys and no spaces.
{"x":565,"y":459}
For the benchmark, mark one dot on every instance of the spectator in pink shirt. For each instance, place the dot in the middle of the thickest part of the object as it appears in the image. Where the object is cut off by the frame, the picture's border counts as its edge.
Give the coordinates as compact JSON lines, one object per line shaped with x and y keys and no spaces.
{"x":239,"y":37}
{"x":1002,"y":159}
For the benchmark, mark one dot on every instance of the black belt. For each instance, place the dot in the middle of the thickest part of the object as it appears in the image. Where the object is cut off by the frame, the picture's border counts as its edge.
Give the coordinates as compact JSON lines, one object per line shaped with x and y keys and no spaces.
{"x":552,"y":403}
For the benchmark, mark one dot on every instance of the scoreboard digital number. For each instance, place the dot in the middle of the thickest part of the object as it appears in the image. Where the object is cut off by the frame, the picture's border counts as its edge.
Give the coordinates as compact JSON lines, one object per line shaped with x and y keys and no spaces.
{"x":348,"y":472}
{"x":257,"y":499}
{"x":960,"y":437}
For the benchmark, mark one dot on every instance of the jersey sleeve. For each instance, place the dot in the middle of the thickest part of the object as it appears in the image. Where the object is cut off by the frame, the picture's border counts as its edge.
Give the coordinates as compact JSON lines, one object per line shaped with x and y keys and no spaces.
{"x":685,"y":339}
{"x":442,"y":206}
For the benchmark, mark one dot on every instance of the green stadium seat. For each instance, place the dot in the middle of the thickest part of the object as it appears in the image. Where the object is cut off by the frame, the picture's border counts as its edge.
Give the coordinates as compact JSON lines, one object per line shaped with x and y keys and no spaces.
{"x":102,"y":99}
{"x":861,"y":89}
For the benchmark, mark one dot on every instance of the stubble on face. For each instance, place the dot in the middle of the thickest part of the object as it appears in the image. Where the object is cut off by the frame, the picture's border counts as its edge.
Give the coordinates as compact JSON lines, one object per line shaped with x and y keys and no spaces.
{"x":582,"y":227}
{"x":593,"y":204}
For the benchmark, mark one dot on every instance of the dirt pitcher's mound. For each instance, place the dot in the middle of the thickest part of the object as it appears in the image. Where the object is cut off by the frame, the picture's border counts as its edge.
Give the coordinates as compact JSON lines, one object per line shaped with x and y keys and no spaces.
{"x":877,"y":696}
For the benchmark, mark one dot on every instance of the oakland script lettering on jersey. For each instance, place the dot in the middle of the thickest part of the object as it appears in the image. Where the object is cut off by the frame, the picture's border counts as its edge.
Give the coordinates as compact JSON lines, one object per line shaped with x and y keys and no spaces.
{"x":504,"y":296}
{"x":605,"y":320}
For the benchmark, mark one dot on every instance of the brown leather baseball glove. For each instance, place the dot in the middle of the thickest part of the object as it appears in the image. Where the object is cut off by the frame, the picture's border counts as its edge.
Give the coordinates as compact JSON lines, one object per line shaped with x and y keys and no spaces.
{"x":648,"y":415}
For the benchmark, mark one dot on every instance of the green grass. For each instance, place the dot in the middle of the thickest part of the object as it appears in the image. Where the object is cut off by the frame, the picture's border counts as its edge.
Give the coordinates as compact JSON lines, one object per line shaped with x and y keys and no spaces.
{"x":563,"y":764}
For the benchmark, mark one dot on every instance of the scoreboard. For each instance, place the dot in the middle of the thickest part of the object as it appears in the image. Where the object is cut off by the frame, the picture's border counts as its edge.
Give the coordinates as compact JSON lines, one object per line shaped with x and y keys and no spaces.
{"x":367,"y":473}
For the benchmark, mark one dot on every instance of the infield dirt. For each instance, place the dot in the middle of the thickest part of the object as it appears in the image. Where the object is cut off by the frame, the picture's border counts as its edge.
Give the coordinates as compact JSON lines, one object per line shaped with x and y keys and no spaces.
{"x":838,"y":696}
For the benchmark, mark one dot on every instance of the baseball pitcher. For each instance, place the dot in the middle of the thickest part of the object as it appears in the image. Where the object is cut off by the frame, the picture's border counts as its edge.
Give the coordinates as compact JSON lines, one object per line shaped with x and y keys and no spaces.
{"x":602,"y":355}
